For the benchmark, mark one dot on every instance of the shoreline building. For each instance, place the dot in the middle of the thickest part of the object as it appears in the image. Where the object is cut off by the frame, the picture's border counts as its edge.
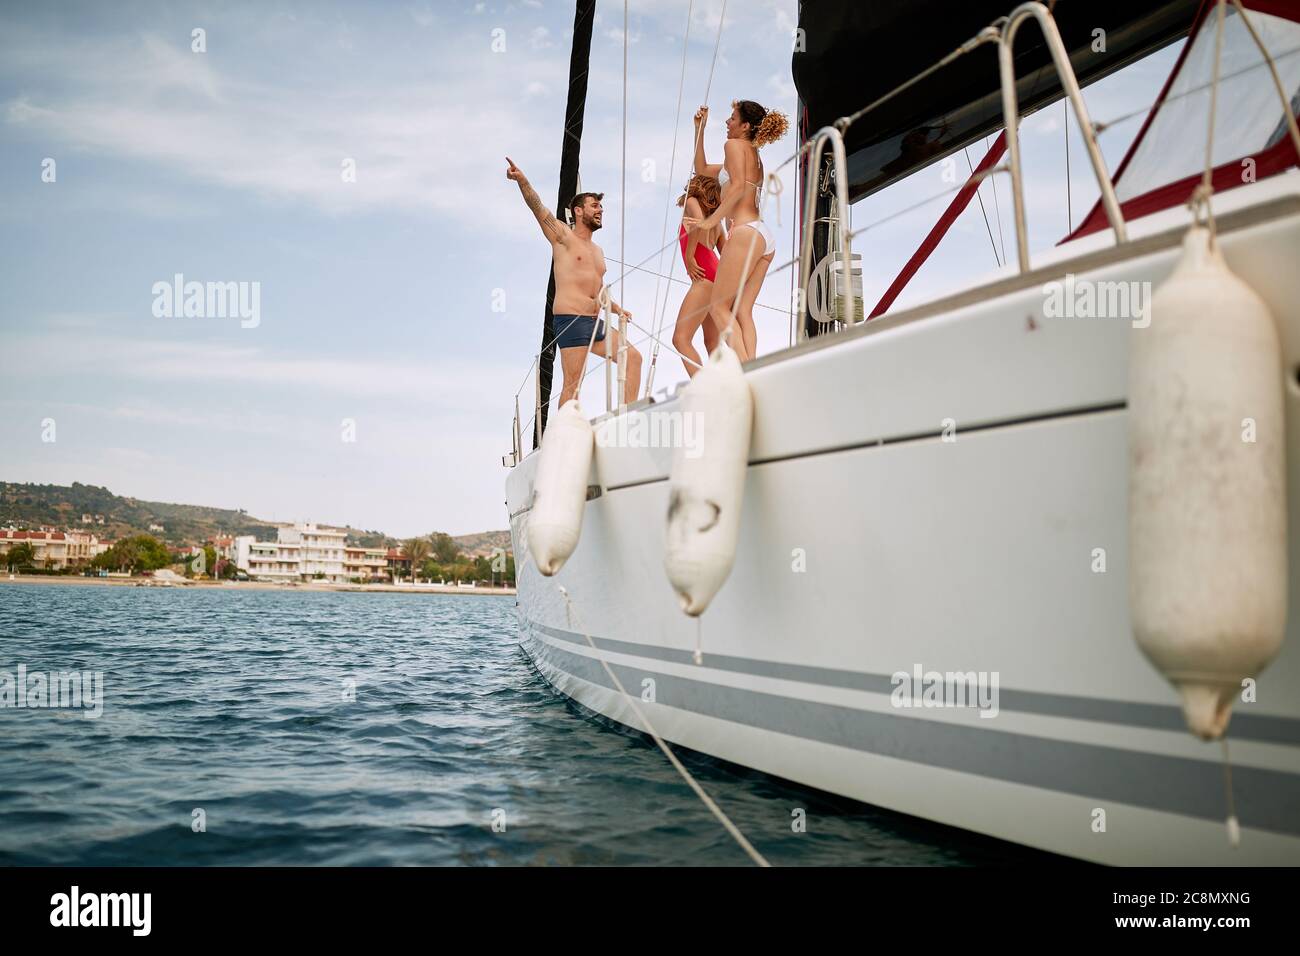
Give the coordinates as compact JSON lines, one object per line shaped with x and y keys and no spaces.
{"x":303,"y":552}
{"x":365,"y":564}
{"x":55,"y":549}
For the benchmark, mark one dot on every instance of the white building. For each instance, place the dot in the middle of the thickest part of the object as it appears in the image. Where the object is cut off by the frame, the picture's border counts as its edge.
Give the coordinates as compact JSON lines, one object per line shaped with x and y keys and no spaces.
{"x":301,"y":552}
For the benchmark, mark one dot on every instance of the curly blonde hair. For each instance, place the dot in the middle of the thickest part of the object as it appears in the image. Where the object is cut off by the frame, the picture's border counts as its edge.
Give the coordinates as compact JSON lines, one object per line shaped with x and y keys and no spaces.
{"x":706,"y":190}
{"x":765,"y":126}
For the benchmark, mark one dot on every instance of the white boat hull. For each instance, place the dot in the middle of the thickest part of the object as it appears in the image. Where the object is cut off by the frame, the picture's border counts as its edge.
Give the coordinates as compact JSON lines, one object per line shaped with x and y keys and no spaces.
{"x":870,"y":545}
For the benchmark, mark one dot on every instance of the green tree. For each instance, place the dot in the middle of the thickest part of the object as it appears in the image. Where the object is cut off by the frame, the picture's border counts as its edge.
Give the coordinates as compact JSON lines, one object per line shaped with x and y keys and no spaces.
{"x":417,"y":549}
{"x":21,"y":555}
{"x":140,"y":553}
{"x":125,"y":555}
{"x":444,"y":548}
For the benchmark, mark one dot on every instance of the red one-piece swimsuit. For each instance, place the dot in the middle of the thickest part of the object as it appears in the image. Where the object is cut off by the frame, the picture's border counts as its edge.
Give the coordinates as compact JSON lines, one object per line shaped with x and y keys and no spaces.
{"x":706,"y":257}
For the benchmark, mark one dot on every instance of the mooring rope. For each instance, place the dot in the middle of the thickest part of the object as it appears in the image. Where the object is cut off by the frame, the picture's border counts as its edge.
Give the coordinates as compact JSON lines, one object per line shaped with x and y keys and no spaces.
{"x":672,"y":757}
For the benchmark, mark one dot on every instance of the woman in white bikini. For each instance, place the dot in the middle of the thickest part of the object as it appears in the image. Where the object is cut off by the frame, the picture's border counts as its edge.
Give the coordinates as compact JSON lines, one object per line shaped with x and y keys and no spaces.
{"x":749,"y":240}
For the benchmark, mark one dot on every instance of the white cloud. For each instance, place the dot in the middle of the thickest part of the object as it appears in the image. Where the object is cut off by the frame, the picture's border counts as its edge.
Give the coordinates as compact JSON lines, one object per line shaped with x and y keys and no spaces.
{"x":415,"y":146}
{"x":616,"y":34}
{"x":422,"y":14}
{"x":783,"y":87}
{"x":199,"y":361}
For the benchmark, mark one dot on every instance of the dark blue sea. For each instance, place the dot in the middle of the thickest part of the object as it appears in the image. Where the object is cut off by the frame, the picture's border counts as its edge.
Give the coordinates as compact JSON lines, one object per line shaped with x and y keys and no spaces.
{"x":266,"y":727}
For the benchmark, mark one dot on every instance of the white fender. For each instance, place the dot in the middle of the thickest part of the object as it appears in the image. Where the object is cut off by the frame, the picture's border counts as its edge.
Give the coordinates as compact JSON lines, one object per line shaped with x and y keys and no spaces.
{"x":1207,"y":507}
{"x":707,"y":484}
{"x":560,"y":491}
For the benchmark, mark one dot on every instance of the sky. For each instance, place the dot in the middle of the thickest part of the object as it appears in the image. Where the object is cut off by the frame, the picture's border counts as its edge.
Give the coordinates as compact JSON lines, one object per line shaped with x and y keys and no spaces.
{"x":349,"y":159}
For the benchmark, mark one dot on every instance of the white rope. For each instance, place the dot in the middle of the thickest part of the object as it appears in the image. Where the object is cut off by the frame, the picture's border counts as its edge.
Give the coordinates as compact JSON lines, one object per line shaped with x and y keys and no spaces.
{"x":717,"y":42}
{"x":668,"y":203}
{"x":687,"y":282}
{"x":708,"y":86}
{"x":672,"y":757}
{"x":1200,"y":201}
{"x":773,"y":187}
{"x":622,"y":229}
{"x":987,"y":35}
{"x":1291,"y":126}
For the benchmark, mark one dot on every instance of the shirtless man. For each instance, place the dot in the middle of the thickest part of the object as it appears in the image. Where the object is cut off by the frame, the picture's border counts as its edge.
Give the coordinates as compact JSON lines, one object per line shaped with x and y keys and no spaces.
{"x":579,"y":275}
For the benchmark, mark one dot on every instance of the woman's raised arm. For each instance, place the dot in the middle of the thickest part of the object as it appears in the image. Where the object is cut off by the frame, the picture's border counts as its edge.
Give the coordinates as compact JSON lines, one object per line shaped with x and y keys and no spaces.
{"x":702,"y":166}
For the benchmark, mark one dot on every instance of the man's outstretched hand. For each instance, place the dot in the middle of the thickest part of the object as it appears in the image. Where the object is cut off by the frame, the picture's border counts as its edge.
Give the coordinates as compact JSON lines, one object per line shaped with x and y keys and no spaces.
{"x":513,"y":172}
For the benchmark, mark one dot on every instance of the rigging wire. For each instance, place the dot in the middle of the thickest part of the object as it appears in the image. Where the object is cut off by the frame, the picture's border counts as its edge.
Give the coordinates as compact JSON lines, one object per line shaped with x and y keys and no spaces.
{"x":1069,"y":208}
{"x":980,"y":196}
{"x":986,"y":35}
{"x":903,"y":212}
{"x":708,"y":86}
{"x":622,"y":229}
{"x":997,"y":208}
{"x":673,"y":279}
{"x":672,"y":166}
{"x":1104,"y":126}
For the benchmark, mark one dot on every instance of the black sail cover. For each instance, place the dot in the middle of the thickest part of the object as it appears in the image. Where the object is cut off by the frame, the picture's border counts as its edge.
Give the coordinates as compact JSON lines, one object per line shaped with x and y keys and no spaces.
{"x":854,"y":52}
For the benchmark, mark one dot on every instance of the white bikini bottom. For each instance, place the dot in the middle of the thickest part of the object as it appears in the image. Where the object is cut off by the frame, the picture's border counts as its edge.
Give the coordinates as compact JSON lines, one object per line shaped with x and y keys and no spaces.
{"x":760,"y":227}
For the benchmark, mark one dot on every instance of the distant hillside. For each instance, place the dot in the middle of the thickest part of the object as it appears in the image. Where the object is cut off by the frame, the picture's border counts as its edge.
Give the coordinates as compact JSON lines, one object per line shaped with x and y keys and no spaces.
{"x":483,"y":544}
{"x":32,"y":506}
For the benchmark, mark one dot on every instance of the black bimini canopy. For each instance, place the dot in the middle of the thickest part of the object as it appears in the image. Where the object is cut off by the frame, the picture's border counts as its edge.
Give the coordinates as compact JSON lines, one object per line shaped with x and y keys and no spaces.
{"x":855,"y":52}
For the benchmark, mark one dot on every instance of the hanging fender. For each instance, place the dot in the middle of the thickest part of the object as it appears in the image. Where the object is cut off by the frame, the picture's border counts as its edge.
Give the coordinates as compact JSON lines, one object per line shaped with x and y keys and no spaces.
{"x":560,"y":491}
{"x":707,"y":482}
{"x":1207,"y":485}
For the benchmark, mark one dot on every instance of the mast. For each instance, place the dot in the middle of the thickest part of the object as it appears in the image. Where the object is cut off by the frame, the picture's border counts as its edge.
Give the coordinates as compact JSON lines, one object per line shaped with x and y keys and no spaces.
{"x":579,"y":60}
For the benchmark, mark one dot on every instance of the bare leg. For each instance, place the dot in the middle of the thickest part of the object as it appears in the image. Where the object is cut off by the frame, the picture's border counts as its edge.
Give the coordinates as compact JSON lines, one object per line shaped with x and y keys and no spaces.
{"x":745,"y":310}
{"x":711,"y":337}
{"x":745,"y":245}
{"x":571,"y":364}
{"x":695,"y":307}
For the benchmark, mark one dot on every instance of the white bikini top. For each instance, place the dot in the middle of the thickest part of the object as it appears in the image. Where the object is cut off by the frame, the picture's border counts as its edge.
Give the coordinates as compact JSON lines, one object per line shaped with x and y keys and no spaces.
{"x":723,"y":179}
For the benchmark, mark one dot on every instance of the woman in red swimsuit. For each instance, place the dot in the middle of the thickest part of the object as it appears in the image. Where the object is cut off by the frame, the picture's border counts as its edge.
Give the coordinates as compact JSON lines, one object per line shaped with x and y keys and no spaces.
{"x":701,"y":257}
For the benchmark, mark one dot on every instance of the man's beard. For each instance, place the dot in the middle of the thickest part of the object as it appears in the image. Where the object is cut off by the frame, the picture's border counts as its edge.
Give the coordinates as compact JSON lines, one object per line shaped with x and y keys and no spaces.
{"x":591,"y":223}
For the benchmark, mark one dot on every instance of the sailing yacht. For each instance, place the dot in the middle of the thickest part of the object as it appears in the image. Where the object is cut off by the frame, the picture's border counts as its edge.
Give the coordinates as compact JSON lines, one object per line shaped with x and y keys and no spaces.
{"x":931,"y":606}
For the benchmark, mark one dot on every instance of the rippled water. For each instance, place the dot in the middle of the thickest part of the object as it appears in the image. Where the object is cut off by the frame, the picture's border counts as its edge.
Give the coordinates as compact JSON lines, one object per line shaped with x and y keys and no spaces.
{"x":235,"y":703}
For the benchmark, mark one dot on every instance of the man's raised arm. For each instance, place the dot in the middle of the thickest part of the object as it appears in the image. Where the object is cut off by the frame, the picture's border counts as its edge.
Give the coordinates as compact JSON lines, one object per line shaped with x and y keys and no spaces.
{"x":551,"y":227}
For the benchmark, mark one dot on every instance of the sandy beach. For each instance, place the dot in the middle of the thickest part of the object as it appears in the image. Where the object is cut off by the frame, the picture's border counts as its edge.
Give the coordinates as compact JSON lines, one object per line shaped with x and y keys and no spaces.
{"x":75,"y":580}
